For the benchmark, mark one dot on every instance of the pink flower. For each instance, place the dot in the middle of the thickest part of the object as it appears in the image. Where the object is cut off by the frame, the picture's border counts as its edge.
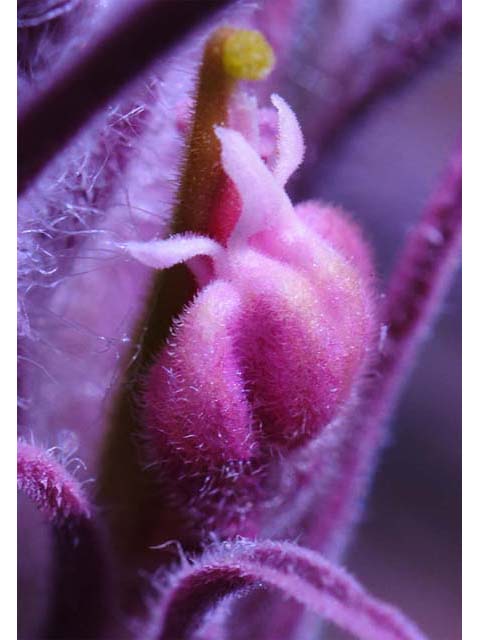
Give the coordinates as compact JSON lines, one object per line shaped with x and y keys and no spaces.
{"x":271,"y":348}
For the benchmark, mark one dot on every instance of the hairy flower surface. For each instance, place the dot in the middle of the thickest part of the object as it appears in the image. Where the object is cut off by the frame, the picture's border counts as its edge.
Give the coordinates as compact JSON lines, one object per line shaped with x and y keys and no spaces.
{"x":268,"y":353}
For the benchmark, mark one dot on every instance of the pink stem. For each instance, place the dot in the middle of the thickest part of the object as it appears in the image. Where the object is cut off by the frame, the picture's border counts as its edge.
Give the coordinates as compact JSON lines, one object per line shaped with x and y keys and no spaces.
{"x":302,"y":575}
{"x":79,"y":603}
{"x":130,"y":38}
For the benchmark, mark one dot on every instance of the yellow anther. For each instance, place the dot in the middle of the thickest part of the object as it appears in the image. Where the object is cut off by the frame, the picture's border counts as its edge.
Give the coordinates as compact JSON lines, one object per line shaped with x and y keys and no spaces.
{"x":246,"y":55}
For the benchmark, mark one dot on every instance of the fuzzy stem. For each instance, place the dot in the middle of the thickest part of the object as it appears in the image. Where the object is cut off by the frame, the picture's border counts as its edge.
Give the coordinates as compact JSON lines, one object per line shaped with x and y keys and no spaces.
{"x":79,"y":602}
{"x":135,"y":34}
{"x":303,"y":576}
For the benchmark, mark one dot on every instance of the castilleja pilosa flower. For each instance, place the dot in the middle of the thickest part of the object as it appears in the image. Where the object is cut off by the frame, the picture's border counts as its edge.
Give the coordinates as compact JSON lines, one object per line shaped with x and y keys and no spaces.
{"x":271,"y":349}
{"x":246,"y":414}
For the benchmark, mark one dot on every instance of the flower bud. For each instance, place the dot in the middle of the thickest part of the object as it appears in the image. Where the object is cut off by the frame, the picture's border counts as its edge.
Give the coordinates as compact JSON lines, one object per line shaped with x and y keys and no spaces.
{"x":272,"y":347}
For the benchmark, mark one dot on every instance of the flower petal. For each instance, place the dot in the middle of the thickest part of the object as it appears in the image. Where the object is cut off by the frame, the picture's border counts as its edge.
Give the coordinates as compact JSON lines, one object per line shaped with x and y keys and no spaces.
{"x":162,"y":254}
{"x":290,"y":145}
{"x":195,"y":405}
{"x":264,"y":202}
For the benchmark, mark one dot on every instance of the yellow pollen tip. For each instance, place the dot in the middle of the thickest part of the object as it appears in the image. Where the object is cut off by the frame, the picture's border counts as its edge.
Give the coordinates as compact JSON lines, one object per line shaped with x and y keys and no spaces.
{"x":246,"y":55}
